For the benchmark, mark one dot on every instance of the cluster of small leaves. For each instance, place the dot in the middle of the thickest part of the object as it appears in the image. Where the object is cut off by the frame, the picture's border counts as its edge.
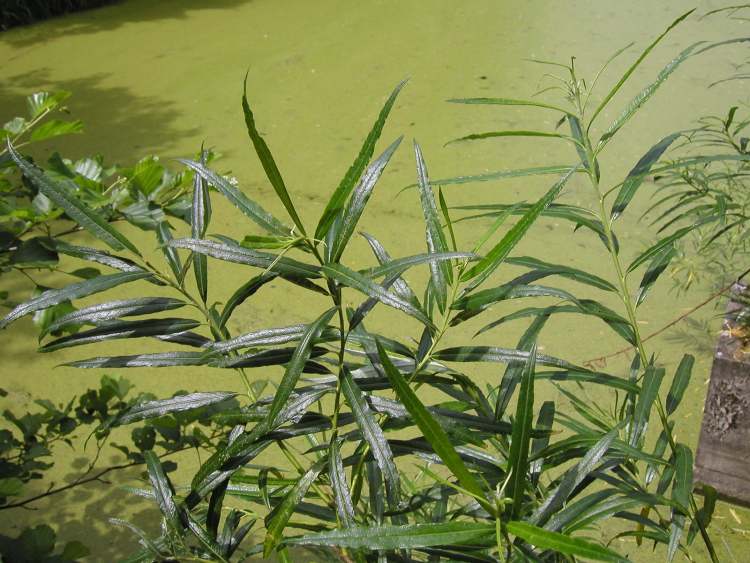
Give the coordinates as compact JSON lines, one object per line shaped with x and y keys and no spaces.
{"x":146,"y":194}
{"x":374,"y":472}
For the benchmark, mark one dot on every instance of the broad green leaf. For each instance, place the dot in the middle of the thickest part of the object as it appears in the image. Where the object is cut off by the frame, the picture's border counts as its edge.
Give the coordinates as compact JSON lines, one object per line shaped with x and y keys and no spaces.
{"x":339,"y":197}
{"x":636,"y":176}
{"x":562,"y":543}
{"x":111,"y":310}
{"x":680,"y":383}
{"x":240,"y":255}
{"x":158,"y":360}
{"x":519,"y":446}
{"x":81,"y":213}
{"x":354,"y":208}
{"x":431,"y":430}
{"x":267,"y":161}
{"x":55,"y":128}
{"x":508,"y":102}
{"x":73,"y":291}
{"x":277,"y":520}
{"x":39,"y":102}
{"x":255,"y":212}
{"x":364,"y":284}
{"x":402,"y":537}
{"x":373,"y":434}
{"x":631,"y":69}
{"x":122,"y":329}
{"x":178,"y":403}
{"x":484,"y":268}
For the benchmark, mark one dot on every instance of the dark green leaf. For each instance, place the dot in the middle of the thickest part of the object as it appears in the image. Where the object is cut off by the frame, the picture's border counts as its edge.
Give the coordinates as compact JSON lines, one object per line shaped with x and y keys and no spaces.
{"x":344,"y":504}
{"x":494,"y":354}
{"x":649,"y":392}
{"x":561,"y":543}
{"x":161,"y":359}
{"x":522,"y":426}
{"x":508,"y":102}
{"x":178,"y":403}
{"x":680,"y":383}
{"x":163,"y":490}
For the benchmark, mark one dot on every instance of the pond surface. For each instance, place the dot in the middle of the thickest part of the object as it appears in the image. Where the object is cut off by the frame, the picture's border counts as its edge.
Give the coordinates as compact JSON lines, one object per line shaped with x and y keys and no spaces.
{"x":163,"y":77}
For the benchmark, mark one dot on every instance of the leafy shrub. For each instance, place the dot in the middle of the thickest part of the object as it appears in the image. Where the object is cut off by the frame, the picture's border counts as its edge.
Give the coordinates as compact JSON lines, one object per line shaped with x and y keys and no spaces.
{"x":375,"y":473}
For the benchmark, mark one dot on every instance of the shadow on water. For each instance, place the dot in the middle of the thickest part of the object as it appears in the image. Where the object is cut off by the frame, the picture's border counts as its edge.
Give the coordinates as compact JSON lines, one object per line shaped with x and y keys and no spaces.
{"x":106,"y":18}
{"x":118,"y":124}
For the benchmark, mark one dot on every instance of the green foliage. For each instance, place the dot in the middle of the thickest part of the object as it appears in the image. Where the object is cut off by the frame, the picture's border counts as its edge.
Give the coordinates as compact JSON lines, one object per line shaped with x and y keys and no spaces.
{"x":22,"y":12}
{"x":375,"y":470}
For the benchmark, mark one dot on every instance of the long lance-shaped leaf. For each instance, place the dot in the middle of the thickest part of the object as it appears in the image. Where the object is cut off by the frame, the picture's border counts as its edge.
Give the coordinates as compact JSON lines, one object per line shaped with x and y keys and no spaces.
{"x":549,"y":269}
{"x":242,"y":293}
{"x":518,"y":459}
{"x":75,"y":208}
{"x":267,"y":161}
{"x":681,"y":489}
{"x":492,"y":354}
{"x":639,"y":60}
{"x":361,"y":283}
{"x":644,"y":95}
{"x":199,"y":219}
{"x":475,"y":303}
{"x":562,"y":543}
{"x":572,"y":478}
{"x":178,"y":403}
{"x":74,"y":291}
{"x":98,"y":256}
{"x":339,"y":197}
{"x":649,"y":391}
{"x":636,"y":176}
{"x":680,"y":383}
{"x":544,"y":424}
{"x":158,"y":360}
{"x":516,"y":370}
{"x":122,"y":329}
{"x":400,"y":265}
{"x":655,"y":269}
{"x":162,"y":490}
{"x":354,"y":208}
{"x":164,"y":235}
{"x":499,"y":175}
{"x":402,"y":537}
{"x":277,"y":520}
{"x":296,"y":365}
{"x":337,"y":475}
{"x":241,"y":255}
{"x":441,"y":274}
{"x":111,"y":310}
{"x":254,"y":211}
{"x":373,"y":434}
{"x":660,"y":245}
{"x":431,"y":430}
{"x":485,"y":267}
{"x":265,"y":337}
{"x":508,"y":102}
{"x":400,"y":287}
{"x":495,"y":134}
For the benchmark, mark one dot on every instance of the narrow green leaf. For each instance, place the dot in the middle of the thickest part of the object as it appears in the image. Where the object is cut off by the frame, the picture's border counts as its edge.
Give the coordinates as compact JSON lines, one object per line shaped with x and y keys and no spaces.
{"x":544,"y":423}
{"x":122,"y":329}
{"x":339,"y":197}
{"x":522,"y":425}
{"x":441,"y":274}
{"x":102,"y":312}
{"x":337,"y":475}
{"x":402,"y":537}
{"x":680,"y":383}
{"x":484,"y":268}
{"x":682,"y":487}
{"x":400,"y":287}
{"x":267,"y":161}
{"x":562,"y":543}
{"x":661,"y":244}
{"x":178,"y":403}
{"x":498,"y":175}
{"x":361,"y":283}
{"x":548,"y":269}
{"x":649,"y":391}
{"x":354,"y":208}
{"x":494,"y":134}
{"x":277,"y":520}
{"x":98,"y":256}
{"x":158,"y":360}
{"x":636,"y":176}
{"x":163,"y":490}
{"x":55,"y":128}
{"x":431,"y":430}
{"x":255,"y":212}
{"x":242,"y":293}
{"x":657,"y":266}
{"x":508,"y":102}
{"x":73,"y":291}
{"x":631,"y":69}
{"x":76,"y":209}
{"x":164,"y":235}
{"x":493,"y":354}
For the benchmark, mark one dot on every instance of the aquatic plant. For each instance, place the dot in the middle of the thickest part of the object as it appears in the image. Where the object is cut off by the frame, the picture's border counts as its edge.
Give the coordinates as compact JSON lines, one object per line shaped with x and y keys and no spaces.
{"x":375,"y":473}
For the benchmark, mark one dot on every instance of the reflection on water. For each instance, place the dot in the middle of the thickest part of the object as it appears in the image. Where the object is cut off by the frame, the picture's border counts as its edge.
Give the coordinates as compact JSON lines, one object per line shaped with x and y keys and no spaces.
{"x":165,"y":76}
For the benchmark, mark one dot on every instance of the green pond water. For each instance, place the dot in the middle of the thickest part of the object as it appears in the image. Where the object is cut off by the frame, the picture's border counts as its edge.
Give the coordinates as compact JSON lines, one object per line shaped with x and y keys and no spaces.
{"x":162,"y":77}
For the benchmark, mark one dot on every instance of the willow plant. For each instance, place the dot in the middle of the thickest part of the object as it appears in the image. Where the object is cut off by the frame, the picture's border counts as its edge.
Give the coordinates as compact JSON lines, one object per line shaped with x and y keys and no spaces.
{"x":375,"y":474}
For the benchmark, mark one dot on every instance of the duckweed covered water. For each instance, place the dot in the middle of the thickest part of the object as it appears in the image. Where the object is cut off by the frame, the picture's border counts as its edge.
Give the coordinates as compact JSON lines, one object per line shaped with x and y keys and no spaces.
{"x":162,"y":77}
